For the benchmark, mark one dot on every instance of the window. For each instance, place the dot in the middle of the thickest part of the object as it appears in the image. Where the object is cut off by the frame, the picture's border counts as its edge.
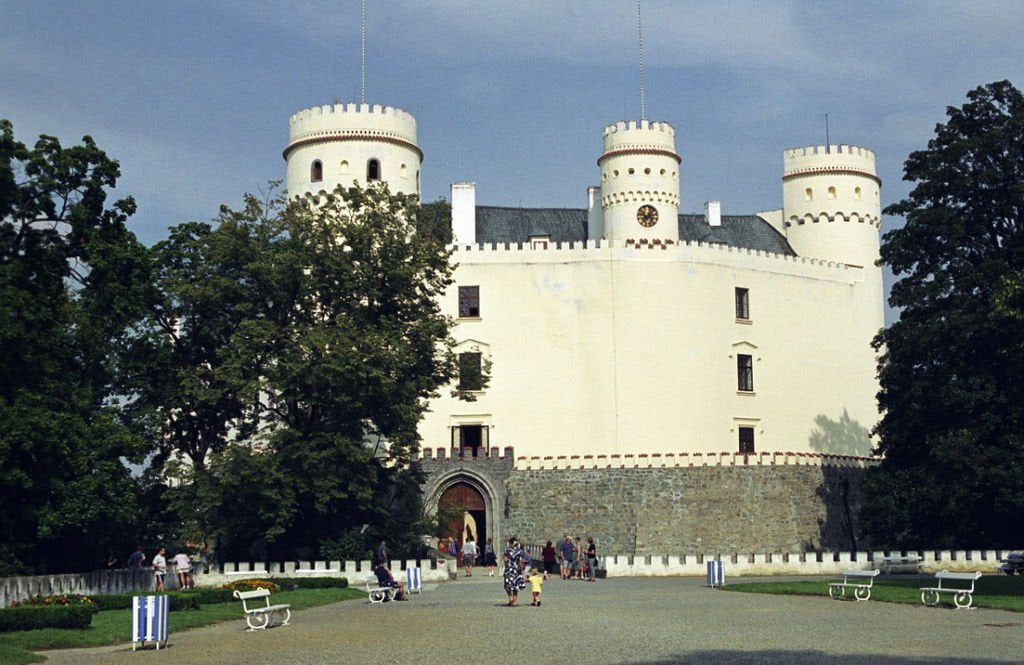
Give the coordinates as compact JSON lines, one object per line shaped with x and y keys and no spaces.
{"x":471,"y":371}
{"x":473,"y":437}
{"x":808,"y":194}
{"x":831,"y":192}
{"x":316,"y":171}
{"x":742,"y":303}
{"x":372,"y":170}
{"x":746,"y":440}
{"x":469,"y":302}
{"x":745,"y":372}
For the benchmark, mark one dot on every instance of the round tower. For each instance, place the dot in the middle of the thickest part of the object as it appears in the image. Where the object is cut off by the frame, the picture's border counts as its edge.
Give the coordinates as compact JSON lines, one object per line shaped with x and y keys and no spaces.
{"x":640,"y":182}
{"x":831,"y":204}
{"x":344,"y":143}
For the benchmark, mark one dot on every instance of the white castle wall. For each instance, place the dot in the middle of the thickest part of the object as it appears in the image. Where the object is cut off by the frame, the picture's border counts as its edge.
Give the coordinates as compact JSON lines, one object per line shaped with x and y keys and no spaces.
{"x":613,"y":350}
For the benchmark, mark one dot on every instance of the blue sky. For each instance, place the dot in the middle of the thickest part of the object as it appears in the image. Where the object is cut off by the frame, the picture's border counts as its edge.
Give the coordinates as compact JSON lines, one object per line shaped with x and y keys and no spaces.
{"x":193,"y":98}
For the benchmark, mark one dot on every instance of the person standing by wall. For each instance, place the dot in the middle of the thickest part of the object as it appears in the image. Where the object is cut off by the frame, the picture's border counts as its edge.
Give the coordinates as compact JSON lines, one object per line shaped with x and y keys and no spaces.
{"x":591,"y":559}
{"x":160,"y":568}
{"x":549,"y":558}
{"x":567,"y":550}
{"x":184,"y":566}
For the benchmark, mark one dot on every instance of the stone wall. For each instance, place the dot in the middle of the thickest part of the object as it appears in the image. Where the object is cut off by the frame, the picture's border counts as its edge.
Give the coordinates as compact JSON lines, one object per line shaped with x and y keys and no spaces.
{"x":640,"y":511}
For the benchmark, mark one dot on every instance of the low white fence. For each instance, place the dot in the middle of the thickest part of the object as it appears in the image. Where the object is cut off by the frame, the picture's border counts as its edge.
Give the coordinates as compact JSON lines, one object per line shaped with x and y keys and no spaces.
{"x":736,"y":565}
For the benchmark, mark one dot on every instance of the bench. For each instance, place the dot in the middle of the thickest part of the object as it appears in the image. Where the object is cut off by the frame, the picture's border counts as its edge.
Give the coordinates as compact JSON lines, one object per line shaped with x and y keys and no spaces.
{"x":962,"y":596}
{"x":861,"y":590}
{"x":258,"y":618}
{"x":378,"y":593}
{"x":897,"y":564}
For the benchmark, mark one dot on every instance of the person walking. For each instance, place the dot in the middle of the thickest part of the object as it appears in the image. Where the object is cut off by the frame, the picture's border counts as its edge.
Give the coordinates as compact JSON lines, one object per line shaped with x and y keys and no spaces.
{"x":536,"y":584}
{"x":513,"y":577}
{"x":469,"y":555}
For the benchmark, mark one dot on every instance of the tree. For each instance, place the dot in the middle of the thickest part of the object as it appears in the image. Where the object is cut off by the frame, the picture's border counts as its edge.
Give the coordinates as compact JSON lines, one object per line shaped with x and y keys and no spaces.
{"x":952,"y":430}
{"x":69,"y":289}
{"x":288,"y":356}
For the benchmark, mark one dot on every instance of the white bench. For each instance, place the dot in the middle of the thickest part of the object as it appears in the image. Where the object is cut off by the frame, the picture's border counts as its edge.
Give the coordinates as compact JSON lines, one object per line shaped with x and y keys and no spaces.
{"x":378,"y":593}
{"x":897,"y":564}
{"x":962,"y":596}
{"x":861,"y":590}
{"x":258,"y":618}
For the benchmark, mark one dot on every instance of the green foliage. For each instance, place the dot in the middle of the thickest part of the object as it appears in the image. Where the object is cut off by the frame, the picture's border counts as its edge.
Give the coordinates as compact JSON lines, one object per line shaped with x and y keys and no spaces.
{"x":288,"y":353}
{"x":32,"y":617}
{"x":251,"y":585}
{"x":317,"y":582}
{"x":70,"y":287}
{"x":177,"y":600}
{"x":950,"y":368}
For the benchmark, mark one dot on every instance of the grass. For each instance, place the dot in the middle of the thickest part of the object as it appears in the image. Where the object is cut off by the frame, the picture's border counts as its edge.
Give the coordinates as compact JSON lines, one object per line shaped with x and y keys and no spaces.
{"x":114,"y":626}
{"x":993,"y":591}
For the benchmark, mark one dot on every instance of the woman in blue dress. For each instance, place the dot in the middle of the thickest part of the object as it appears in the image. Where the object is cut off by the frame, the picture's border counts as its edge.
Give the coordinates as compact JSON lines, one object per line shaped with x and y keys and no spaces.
{"x":514,"y":580}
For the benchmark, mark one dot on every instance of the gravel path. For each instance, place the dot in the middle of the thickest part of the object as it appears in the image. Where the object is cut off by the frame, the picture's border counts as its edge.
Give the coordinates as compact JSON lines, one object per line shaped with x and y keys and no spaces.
{"x":654,"y":621}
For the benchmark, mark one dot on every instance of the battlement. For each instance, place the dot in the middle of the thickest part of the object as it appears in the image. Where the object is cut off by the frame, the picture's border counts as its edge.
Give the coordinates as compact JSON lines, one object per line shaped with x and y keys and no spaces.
{"x":673,"y":460}
{"x":833,"y":159}
{"x":364,"y":118}
{"x":642,"y":136}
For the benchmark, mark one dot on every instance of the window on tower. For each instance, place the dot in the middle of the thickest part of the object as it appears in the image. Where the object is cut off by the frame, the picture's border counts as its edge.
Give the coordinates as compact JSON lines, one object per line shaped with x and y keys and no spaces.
{"x":469,"y":302}
{"x":316,"y":171}
{"x":742,"y":303}
{"x":373,"y":170}
{"x":745,"y":373}
{"x":471,"y":371}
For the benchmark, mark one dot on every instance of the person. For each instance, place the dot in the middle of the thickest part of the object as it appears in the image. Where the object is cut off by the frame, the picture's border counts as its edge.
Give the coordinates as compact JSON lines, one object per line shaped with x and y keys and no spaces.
{"x":382,"y":557}
{"x":577,"y":564}
{"x":536,"y":582}
{"x":160,"y":568}
{"x":490,"y":558}
{"x":567,"y":556}
{"x":184,"y":566}
{"x":386,"y":580}
{"x":549,"y":559}
{"x":469,"y":555}
{"x":513,"y":577}
{"x":136,"y":559}
{"x":591,"y":559}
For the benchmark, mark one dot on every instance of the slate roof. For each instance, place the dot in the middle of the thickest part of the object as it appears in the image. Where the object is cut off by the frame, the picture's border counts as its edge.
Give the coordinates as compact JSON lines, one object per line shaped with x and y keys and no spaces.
{"x":495,"y":224}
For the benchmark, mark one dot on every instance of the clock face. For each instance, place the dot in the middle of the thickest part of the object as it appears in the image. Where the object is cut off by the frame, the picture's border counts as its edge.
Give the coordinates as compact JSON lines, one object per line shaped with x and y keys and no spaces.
{"x":647,"y":216}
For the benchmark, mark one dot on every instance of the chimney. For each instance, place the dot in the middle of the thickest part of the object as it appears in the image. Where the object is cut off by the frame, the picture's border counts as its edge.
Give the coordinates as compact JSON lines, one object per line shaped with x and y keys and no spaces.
{"x":595,"y":214}
{"x":464,"y":213}
{"x":713,"y":213}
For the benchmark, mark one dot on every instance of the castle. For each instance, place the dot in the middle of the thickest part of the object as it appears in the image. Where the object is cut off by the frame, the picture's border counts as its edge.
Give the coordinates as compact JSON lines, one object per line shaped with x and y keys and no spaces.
{"x":664,"y":382}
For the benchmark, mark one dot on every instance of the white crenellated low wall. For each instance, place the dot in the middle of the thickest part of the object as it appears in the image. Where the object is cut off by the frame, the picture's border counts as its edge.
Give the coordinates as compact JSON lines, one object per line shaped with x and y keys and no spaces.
{"x":736,"y":565}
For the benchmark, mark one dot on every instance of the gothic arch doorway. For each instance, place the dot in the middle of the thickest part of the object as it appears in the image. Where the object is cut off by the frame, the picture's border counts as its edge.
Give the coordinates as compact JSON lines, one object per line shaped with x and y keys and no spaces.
{"x":468,"y":511}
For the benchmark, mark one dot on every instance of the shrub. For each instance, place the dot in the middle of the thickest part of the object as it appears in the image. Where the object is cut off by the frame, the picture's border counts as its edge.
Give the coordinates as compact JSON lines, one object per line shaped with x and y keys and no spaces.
{"x":318,"y":582}
{"x":210,"y":596}
{"x":31,"y":617}
{"x":53,"y":601}
{"x":251,"y":585}
{"x":178,"y":600}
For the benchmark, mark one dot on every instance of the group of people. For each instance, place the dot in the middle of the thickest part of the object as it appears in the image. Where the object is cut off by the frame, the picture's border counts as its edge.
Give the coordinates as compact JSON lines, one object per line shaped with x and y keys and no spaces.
{"x":137,"y":561}
{"x":473,"y":554}
{"x":573,"y":561}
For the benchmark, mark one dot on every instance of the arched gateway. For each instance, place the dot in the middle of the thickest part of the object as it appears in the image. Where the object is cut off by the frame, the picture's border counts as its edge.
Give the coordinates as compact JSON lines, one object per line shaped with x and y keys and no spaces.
{"x":476,"y":488}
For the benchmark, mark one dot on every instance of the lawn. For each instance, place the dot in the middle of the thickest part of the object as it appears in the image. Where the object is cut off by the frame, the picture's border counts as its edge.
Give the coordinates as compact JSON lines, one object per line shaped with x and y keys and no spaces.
{"x":994,"y":591}
{"x":114,"y":626}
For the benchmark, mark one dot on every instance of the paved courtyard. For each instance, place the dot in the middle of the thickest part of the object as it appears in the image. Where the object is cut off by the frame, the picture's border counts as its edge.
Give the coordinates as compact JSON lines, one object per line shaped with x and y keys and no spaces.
{"x":654,"y":621}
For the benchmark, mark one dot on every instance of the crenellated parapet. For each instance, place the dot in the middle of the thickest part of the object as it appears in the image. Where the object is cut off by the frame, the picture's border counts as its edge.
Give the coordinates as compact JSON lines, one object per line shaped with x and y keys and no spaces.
{"x":833,"y":159}
{"x":340,"y":122}
{"x":698,"y":459}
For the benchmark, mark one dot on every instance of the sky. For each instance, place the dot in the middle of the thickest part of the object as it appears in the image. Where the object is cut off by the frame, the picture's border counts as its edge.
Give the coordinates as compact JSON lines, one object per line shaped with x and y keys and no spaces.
{"x":193,"y":97}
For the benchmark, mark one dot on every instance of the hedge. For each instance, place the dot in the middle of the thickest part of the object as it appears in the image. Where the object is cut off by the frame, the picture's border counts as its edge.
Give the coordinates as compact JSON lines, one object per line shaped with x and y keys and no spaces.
{"x":315,"y":582}
{"x":54,"y":616}
{"x":123,"y":601}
